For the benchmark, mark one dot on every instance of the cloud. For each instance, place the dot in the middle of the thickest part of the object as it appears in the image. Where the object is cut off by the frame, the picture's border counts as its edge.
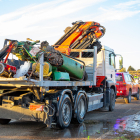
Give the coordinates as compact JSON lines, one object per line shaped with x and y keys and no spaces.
{"x":118,"y":12}
{"x":127,"y":4}
{"x":132,"y":52}
{"x":48,"y":20}
{"x":113,"y":14}
{"x":28,"y":18}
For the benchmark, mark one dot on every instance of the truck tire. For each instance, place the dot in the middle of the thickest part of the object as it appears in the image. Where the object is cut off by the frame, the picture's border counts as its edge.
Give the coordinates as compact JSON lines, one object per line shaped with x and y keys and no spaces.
{"x":65,"y":112}
{"x":85,"y":76}
{"x":112,"y":100}
{"x":81,"y":109}
{"x":4,"y":121}
{"x":0,"y":100}
{"x":137,"y":96}
{"x":128,"y":98}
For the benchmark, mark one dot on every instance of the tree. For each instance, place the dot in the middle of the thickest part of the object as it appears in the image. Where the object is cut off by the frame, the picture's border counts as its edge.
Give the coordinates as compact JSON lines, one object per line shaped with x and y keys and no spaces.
{"x":130,"y":68}
{"x":122,"y":70}
{"x":138,"y":72}
{"x":121,"y":63}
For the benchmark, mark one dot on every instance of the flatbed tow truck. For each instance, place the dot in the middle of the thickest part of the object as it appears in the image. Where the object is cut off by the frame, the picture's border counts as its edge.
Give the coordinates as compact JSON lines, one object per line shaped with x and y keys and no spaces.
{"x":61,"y":101}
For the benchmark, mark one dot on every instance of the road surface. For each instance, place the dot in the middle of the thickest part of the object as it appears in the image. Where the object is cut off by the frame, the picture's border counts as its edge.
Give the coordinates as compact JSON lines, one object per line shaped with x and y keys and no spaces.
{"x":123,"y":122}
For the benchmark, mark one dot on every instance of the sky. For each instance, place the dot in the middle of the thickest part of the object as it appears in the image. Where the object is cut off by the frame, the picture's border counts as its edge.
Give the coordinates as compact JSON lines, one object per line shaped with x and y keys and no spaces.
{"x":47,"y":20}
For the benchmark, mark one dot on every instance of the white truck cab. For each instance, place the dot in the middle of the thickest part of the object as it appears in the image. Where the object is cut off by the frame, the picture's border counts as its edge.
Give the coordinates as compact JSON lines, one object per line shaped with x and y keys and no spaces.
{"x":105,"y":63}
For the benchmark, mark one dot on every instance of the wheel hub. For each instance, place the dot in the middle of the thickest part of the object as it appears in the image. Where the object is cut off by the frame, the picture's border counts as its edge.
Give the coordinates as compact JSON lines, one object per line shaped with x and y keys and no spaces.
{"x":66,"y":113}
{"x":81,"y":108}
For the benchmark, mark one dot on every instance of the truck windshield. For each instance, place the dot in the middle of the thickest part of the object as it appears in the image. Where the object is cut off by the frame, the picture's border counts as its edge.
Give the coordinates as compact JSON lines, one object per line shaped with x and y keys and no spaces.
{"x":119,"y":77}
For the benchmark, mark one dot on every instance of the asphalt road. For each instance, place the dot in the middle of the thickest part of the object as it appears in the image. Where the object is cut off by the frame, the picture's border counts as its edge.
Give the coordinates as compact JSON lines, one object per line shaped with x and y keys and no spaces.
{"x":97,"y":125}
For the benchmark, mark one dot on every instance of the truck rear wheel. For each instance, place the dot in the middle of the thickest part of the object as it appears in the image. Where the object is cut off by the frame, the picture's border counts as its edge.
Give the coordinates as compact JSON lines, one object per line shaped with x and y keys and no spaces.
{"x":81,"y":109}
{"x":4,"y":121}
{"x":112,"y":100}
{"x":65,"y":112}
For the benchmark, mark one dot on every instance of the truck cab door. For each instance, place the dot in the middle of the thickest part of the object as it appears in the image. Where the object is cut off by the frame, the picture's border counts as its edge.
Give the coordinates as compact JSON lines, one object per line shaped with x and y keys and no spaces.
{"x":115,"y":61}
{"x":110,"y":69}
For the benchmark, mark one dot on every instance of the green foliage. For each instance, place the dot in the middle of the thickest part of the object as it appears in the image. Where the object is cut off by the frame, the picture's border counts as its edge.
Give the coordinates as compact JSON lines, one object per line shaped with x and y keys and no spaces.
{"x":122,"y":70}
{"x":130,"y":68}
{"x":120,"y":63}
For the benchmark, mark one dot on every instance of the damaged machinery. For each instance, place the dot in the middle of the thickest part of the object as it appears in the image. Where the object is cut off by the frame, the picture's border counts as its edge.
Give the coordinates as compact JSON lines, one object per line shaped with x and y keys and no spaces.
{"x":83,"y":35}
{"x":53,"y":59}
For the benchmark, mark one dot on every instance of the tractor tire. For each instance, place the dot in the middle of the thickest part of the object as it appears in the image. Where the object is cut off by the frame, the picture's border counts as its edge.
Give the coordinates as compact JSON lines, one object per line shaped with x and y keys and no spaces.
{"x":85,"y":76}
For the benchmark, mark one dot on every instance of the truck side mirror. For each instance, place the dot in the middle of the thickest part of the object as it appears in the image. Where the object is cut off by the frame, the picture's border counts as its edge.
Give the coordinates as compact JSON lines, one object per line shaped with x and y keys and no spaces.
{"x":119,"y":62}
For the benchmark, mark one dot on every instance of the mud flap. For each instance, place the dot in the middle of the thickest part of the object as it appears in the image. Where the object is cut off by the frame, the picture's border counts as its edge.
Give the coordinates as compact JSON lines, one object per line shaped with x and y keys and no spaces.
{"x":107,"y":98}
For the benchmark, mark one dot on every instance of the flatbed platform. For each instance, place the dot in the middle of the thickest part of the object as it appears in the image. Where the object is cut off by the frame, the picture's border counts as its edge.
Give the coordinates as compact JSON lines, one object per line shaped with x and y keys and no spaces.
{"x":23,"y":81}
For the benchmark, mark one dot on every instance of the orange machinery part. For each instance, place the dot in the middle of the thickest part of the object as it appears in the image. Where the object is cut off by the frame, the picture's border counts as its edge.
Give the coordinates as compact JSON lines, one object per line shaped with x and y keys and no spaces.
{"x":64,"y":50}
{"x":36,"y":107}
{"x":74,"y":36}
{"x":65,"y":46}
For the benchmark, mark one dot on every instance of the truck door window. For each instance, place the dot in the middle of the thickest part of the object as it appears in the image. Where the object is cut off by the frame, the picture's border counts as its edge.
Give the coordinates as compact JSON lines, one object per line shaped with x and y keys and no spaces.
{"x":127,"y":78}
{"x":119,"y":77}
{"x":112,"y":59}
